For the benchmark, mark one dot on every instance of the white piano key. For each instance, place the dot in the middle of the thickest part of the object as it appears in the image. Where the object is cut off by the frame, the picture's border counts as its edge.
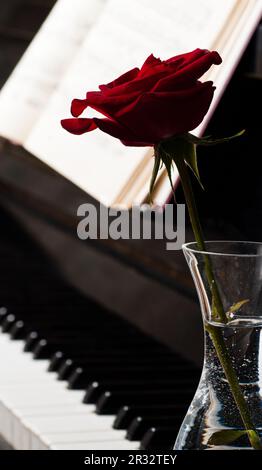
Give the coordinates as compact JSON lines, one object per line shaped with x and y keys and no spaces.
{"x":57,"y":410}
{"x":47,"y":397}
{"x":33,"y":386}
{"x":22,"y":438}
{"x":5,"y":422}
{"x":87,"y":423}
{"x":38,"y":444}
{"x":47,"y":440}
{"x":22,"y":417}
{"x":67,"y":437}
{"x":39,"y":426}
{"x":33,"y":404}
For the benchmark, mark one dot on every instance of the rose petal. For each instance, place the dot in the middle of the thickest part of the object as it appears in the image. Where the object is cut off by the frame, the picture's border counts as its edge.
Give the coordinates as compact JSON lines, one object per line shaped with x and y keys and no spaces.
{"x":149,"y":63}
{"x":201,"y":64}
{"x":186,"y":57}
{"x":78,"y":126}
{"x":126,"y":77}
{"x":78,"y":106}
{"x":108,"y":105}
{"x":136,"y":86}
{"x":161,"y":115}
{"x":188,"y":72}
{"x":114,"y":129}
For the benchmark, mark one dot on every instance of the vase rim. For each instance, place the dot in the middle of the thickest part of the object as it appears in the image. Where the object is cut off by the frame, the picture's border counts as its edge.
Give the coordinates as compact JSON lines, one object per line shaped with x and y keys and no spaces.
{"x":192,"y":247}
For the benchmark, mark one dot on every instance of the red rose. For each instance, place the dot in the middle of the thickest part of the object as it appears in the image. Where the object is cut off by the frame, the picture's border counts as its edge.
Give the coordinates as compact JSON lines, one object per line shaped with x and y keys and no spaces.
{"x":143,"y":107}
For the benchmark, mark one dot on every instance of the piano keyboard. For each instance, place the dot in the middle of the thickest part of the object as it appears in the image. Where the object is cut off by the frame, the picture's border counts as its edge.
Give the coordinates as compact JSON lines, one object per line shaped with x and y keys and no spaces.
{"x":39,"y":413}
{"x":74,"y":376}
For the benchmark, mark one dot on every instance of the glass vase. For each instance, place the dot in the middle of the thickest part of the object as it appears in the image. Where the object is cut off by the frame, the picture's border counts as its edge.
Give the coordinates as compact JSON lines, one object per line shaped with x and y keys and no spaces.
{"x":214,"y":420}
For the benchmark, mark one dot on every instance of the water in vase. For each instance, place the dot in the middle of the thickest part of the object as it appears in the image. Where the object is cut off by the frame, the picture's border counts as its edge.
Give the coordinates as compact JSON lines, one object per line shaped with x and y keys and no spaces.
{"x":213,"y":421}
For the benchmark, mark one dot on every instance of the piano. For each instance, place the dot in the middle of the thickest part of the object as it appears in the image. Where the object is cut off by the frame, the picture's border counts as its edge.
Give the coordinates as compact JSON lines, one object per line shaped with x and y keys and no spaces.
{"x":76,"y":376}
{"x":101,"y":341}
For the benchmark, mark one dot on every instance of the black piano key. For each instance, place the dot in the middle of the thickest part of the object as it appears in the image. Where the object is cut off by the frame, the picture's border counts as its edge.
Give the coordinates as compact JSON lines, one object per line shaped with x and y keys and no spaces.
{"x":35,"y":342}
{"x":139,"y":426}
{"x":18,"y":330}
{"x":126,"y":414}
{"x":46,"y":325}
{"x":81,"y":379}
{"x":127,"y":359}
{"x":47,"y":348}
{"x":96,"y":389}
{"x":63,"y":337}
{"x":119,"y":352}
{"x":66,"y":327}
{"x":8,"y":322}
{"x":69,"y":365}
{"x":66,"y":339}
{"x":31,"y":341}
{"x":159,"y":438}
{"x":110,"y":402}
{"x":56,"y":361}
{"x":65,"y":369}
{"x":3,"y":314}
{"x":43,"y":349}
{"x":60,"y":357}
{"x":119,"y":348}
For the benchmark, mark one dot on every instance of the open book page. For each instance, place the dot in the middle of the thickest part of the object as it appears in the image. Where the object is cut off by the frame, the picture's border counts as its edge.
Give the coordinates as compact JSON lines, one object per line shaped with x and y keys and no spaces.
{"x":43,"y":65}
{"x":231,"y":44}
{"x":126,"y":33}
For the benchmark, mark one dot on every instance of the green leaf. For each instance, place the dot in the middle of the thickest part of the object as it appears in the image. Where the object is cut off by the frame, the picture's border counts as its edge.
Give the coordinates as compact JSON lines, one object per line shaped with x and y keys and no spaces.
{"x":254,"y":439}
{"x":236,"y":306}
{"x":167,"y":160}
{"x":190,"y":158}
{"x":154,"y":173}
{"x":209,"y":141}
{"x":225,"y":436}
{"x":161,"y":158}
{"x":181,"y":148}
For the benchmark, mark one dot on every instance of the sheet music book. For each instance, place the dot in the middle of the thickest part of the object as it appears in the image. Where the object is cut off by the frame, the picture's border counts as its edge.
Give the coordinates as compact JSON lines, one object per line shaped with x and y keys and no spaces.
{"x":88,"y":42}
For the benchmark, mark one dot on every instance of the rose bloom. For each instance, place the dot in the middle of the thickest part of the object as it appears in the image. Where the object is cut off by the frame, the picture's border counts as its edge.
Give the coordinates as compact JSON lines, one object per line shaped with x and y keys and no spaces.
{"x":145,"y":106}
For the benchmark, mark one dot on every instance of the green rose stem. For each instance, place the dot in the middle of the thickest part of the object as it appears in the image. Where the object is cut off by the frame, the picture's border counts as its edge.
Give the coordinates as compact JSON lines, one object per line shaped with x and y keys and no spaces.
{"x":215,"y":334}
